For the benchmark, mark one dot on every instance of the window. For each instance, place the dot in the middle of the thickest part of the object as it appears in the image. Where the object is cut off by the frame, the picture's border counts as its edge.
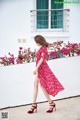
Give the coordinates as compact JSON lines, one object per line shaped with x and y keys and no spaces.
{"x":49,"y":14}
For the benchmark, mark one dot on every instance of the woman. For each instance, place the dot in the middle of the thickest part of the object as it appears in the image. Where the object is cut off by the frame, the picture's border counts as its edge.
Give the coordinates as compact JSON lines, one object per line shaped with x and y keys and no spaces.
{"x":48,"y":81}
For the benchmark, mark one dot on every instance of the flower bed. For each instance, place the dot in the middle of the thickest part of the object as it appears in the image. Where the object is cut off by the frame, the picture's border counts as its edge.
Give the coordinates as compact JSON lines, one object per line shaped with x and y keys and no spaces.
{"x":56,"y":50}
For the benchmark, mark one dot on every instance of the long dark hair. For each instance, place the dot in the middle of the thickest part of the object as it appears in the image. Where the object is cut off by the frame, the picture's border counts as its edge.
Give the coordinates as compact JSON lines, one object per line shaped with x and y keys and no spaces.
{"x":41,"y":40}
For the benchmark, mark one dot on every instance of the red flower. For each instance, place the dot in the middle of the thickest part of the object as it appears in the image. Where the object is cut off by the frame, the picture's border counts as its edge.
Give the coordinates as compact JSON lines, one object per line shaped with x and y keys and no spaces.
{"x":65,"y":51}
{"x":20,"y":48}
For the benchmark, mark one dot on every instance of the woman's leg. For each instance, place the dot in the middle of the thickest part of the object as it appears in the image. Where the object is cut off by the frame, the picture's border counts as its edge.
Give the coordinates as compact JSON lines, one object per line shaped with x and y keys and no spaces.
{"x":35,"y":91}
{"x":51,"y":103}
{"x":46,"y":95}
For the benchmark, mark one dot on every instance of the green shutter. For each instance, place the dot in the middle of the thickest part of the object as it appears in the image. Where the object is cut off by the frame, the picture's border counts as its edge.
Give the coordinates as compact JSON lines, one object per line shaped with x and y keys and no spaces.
{"x":42,"y":16}
{"x":56,"y":15}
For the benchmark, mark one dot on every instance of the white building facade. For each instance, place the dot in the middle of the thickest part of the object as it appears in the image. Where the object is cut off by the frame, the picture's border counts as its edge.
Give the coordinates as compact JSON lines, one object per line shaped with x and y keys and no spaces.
{"x":20,"y":21}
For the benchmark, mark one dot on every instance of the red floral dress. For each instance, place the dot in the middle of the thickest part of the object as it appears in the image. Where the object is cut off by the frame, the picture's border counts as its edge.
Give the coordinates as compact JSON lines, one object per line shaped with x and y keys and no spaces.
{"x":48,"y":80}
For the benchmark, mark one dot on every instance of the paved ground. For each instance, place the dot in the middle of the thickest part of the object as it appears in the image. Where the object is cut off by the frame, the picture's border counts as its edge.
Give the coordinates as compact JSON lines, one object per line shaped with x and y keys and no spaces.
{"x":67,"y":109}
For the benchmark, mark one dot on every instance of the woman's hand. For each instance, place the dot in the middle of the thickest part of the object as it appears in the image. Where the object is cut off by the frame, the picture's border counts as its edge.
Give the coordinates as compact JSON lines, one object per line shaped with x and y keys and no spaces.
{"x":35,"y":71}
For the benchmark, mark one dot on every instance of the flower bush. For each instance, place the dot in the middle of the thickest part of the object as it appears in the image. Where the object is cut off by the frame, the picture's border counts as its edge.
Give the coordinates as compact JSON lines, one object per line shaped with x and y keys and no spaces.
{"x":56,"y":50}
{"x":25,"y":55}
{"x":7,"y":60}
{"x":60,"y":49}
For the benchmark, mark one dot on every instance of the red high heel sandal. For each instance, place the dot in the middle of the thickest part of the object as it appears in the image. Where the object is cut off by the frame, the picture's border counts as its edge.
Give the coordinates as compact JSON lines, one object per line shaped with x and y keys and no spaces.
{"x":33,"y":108}
{"x":52,"y":107}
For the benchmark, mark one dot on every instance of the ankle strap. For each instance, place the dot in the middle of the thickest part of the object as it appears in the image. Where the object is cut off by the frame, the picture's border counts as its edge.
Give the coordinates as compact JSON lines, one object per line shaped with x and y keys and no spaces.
{"x":34,"y":104}
{"x":52,"y":104}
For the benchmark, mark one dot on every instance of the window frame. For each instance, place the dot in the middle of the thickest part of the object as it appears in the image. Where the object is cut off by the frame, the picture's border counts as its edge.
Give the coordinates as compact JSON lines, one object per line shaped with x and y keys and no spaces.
{"x":49,"y":22}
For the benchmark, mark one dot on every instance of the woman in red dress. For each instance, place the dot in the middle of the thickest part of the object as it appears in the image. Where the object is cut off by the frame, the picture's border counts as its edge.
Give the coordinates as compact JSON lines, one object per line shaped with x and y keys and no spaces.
{"x":43,"y":75}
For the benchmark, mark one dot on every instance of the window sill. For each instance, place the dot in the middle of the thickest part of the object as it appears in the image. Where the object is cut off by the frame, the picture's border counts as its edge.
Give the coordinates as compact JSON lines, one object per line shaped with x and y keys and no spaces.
{"x":51,"y":33}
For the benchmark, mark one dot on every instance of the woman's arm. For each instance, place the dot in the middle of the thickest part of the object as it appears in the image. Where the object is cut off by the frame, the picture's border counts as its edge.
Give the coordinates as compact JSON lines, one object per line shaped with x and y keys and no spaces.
{"x":38,"y":65}
{"x":40,"y":61}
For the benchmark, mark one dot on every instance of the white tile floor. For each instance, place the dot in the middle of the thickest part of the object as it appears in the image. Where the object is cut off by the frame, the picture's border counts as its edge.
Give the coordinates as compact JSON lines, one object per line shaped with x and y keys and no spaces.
{"x":67,"y":109}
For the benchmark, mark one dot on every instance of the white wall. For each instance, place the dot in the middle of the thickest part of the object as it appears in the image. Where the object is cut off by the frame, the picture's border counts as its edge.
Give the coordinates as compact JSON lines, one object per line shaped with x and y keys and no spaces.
{"x":15,"y":23}
{"x":16,"y":81}
{"x":74,"y":23}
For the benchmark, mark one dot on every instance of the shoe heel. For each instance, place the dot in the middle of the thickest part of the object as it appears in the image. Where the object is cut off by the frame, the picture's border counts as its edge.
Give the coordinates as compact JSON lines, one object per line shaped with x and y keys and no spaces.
{"x":54,"y":109}
{"x":35,"y":110}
